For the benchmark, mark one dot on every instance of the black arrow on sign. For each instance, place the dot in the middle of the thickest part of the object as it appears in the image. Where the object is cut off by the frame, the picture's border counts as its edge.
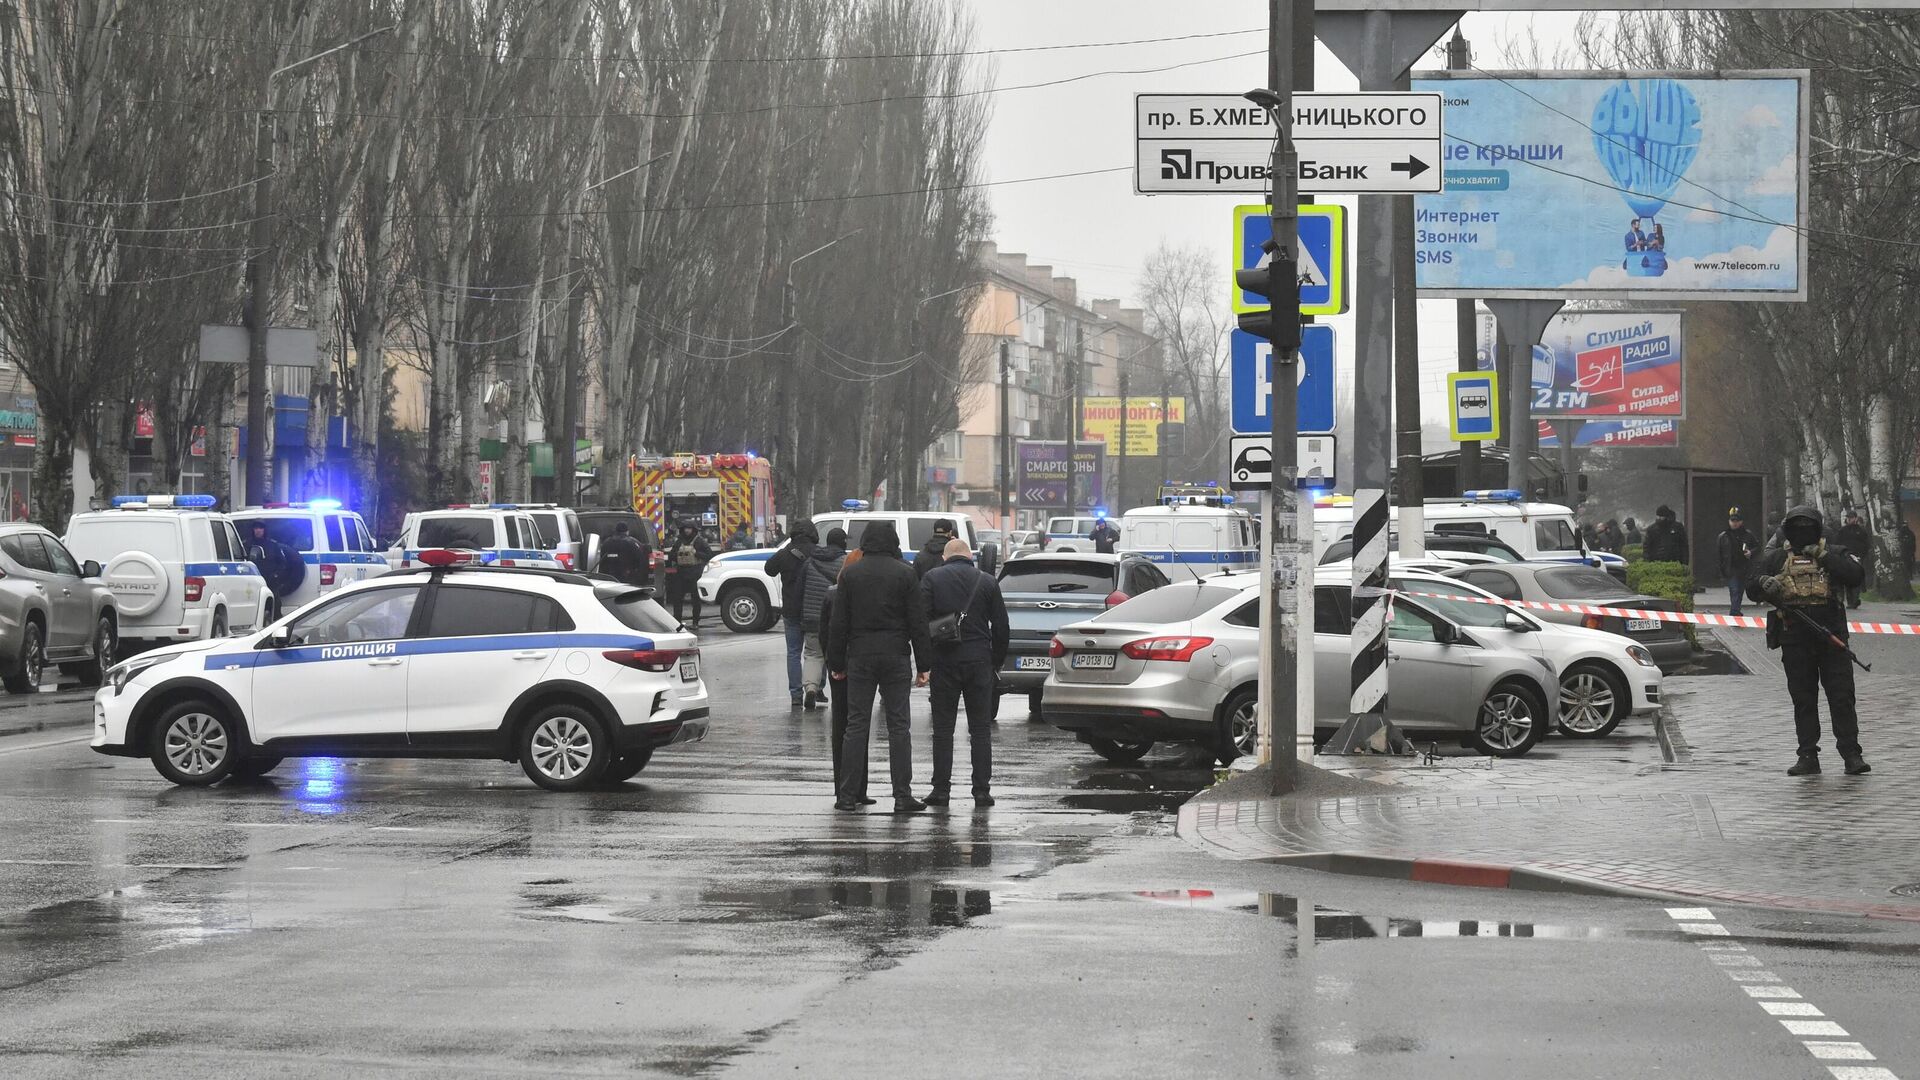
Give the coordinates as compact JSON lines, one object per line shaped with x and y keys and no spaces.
{"x":1413,"y":166}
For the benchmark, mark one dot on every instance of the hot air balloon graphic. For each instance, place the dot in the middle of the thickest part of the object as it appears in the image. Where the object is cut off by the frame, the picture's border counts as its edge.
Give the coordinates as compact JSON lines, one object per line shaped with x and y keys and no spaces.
{"x":1646,"y":132}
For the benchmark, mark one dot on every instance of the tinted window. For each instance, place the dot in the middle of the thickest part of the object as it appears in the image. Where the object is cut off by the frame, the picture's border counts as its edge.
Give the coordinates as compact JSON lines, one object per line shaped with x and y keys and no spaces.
{"x":635,"y":609}
{"x":1578,"y":583}
{"x":296,"y":533}
{"x":1464,"y":528}
{"x":1330,"y":612}
{"x":374,"y":615}
{"x":335,"y":542}
{"x":549,"y":529}
{"x":1410,"y":625}
{"x":1043,"y":575}
{"x":366,"y":538}
{"x":62,"y":562}
{"x":455,"y":532}
{"x":222,"y":544}
{"x":1464,"y":612}
{"x":1247,"y":614}
{"x":233,"y":539}
{"x":1498,"y":582}
{"x":467,"y":611}
{"x":24,"y":548}
{"x":1169,"y":605}
{"x":1030,"y":619}
{"x":1554,"y":534}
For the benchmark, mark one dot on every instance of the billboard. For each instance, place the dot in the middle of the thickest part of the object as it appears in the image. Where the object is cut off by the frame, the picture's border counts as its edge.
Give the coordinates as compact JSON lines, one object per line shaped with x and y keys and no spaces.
{"x":1599,"y":364}
{"x":1616,"y":434}
{"x":1100,"y":419}
{"x":1044,"y":474}
{"x":1604,"y":185}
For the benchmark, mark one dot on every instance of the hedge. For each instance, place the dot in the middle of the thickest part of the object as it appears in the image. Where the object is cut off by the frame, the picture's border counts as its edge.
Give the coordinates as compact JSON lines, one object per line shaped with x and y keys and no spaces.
{"x":1666,"y":580}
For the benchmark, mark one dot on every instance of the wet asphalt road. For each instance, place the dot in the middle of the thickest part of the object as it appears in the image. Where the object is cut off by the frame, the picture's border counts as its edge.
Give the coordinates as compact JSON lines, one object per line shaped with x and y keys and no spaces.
{"x":717,"y":917}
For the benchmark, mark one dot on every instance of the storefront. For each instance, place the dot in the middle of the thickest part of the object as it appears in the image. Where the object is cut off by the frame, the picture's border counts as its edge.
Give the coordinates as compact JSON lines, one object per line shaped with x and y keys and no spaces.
{"x":19,"y":418}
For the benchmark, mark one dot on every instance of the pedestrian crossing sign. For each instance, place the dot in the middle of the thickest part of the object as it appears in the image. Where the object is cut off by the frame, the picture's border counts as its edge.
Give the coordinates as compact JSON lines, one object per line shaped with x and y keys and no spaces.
{"x":1321,"y":255}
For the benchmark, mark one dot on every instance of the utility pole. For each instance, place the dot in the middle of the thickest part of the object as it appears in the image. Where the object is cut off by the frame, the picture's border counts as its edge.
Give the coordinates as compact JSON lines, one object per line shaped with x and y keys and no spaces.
{"x":1006,"y":446}
{"x":1466,"y":339}
{"x":564,"y":441}
{"x":1073,"y":423}
{"x":1118,"y":497}
{"x":1410,"y":488}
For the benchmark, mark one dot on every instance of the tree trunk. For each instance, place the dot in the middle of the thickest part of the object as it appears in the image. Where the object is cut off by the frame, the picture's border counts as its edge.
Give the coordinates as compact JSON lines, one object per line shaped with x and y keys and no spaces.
{"x":323,"y":391}
{"x":53,"y":473}
{"x":1883,"y":503}
{"x":107,"y":450}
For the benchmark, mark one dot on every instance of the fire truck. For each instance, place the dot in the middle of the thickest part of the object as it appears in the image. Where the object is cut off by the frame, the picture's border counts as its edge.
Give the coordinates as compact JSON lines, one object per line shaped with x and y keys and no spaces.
{"x":721,"y":491}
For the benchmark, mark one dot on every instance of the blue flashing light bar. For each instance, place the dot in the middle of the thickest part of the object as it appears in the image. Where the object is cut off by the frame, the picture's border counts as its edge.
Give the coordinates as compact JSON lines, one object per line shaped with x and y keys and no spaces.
{"x":184,"y":502}
{"x":1492,"y":495}
{"x":856,"y":504}
{"x":323,"y":504}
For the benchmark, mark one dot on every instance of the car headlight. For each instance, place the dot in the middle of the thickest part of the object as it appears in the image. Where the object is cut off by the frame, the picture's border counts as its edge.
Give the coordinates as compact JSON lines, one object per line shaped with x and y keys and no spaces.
{"x":1640,"y":656}
{"x":122,"y":673}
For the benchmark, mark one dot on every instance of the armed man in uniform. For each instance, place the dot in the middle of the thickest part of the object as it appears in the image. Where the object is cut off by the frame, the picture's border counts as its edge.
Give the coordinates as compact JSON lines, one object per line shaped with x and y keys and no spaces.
{"x":1805,"y":576}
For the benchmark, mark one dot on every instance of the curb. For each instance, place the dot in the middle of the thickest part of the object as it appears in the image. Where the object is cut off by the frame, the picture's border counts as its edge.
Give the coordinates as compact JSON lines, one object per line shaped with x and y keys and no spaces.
{"x":1673,"y":741}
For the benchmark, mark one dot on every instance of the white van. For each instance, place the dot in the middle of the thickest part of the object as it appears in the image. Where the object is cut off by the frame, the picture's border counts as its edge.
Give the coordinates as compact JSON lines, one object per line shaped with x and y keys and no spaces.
{"x":572,"y":544}
{"x":334,"y":545}
{"x":498,"y":535}
{"x":1191,"y":539}
{"x":178,"y":570}
{"x":1540,"y":532}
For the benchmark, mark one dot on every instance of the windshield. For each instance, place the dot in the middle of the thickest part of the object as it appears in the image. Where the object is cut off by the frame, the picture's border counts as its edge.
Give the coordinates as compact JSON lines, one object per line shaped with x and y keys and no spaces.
{"x":1578,"y":583}
{"x":1025,"y":618}
{"x":1032,"y":575}
{"x":455,"y":532}
{"x":1169,"y":604}
{"x":296,"y":533}
{"x":1554,"y":534}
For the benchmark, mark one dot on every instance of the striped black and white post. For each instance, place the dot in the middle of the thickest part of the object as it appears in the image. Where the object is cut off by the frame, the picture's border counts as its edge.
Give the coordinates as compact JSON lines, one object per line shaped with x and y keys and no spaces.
{"x":1367,"y":729}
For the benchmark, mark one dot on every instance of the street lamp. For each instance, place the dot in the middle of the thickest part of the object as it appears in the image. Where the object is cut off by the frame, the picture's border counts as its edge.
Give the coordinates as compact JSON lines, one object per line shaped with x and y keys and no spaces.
{"x":260,"y":275}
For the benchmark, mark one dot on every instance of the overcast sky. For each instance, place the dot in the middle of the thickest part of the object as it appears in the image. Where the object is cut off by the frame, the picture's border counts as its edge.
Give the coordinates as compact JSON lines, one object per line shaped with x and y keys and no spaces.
{"x":1094,"y":228}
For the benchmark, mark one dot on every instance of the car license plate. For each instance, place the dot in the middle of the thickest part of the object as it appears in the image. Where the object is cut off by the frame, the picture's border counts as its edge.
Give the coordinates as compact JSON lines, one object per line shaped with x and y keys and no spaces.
{"x":1644,"y":624}
{"x":689,"y":668}
{"x":1093,"y":660}
{"x":1035,"y":663}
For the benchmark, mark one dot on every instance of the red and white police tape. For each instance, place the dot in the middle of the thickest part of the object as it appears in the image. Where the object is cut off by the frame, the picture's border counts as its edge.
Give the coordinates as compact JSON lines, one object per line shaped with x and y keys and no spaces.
{"x":1697,"y":618}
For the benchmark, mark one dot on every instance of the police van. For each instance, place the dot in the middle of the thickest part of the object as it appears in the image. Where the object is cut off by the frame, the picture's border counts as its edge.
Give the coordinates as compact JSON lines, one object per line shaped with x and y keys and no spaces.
{"x":1540,"y":532}
{"x":498,"y":534}
{"x":333,"y":547}
{"x":177,"y":569}
{"x":573,"y":545}
{"x":1193,"y":532}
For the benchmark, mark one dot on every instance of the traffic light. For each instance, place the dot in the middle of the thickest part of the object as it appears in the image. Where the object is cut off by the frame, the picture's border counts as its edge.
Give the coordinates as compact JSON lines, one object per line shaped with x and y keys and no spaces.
{"x":1280,"y":322}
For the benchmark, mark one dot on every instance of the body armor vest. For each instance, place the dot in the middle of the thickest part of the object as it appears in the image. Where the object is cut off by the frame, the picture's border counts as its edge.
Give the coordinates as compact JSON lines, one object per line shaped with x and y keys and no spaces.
{"x":1803,"y":583}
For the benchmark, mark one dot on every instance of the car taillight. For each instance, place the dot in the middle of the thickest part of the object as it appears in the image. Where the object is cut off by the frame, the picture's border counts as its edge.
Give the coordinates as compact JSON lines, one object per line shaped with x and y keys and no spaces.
{"x":1591,"y":622}
{"x":1116,"y":597}
{"x":647,"y":659}
{"x":1057,"y":648}
{"x":195,"y":586}
{"x":1180,"y":649}
{"x":566,"y":560}
{"x":328,"y":572}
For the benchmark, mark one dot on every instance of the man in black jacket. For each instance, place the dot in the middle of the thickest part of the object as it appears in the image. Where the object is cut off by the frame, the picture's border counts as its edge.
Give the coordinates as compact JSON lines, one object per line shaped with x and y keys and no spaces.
{"x":1666,"y":539}
{"x":625,"y":559}
{"x":817,"y":577}
{"x":1854,"y":537}
{"x":964,"y":669}
{"x":1807,"y":574}
{"x":1106,"y":538}
{"x":878,"y":632}
{"x":1738,"y":546}
{"x":933,"y":552}
{"x":687,"y":557}
{"x":786,"y":564}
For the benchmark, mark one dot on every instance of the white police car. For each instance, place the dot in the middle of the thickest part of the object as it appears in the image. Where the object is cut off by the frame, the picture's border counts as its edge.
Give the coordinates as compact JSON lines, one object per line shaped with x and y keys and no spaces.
{"x":333,"y":545}
{"x":579,"y":679}
{"x":499,"y":534}
{"x":177,"y":570}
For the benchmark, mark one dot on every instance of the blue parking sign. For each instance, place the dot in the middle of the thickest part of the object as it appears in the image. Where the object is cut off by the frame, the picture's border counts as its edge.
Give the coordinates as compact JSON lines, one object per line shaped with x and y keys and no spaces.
{"x":1253,"y":382}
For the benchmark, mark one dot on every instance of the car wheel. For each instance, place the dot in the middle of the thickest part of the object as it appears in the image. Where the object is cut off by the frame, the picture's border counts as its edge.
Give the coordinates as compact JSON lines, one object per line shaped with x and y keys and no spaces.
{"x":1593,"y":701}
{"x":194,"y":744}
{"x":1510,"y":721}
{"x":563,"y":748}
{"x":219,"y":629}
{"x":105,"y":645}
{"x":1033,"y":703}
{"x":25,"y":677}
{"x":744,"y":610}
{"x":1238,"y":730}
{"x":1120,"y":753}
{"x":252,"y":768}
{"x":626,"y":767}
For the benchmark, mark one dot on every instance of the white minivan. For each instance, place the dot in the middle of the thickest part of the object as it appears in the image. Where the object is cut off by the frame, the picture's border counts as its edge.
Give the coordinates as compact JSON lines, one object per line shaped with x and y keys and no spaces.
{"x":333,"y":543}
{"x":178,"y":571}
{"x":1192,"y":540}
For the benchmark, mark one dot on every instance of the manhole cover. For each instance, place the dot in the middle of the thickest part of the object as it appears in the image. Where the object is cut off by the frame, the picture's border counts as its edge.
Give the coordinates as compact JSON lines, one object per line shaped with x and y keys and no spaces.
{"x":1911,"y":888}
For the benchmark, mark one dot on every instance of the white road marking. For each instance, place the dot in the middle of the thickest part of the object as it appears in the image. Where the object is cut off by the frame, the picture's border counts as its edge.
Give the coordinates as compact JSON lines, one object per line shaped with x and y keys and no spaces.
{"x":104,"y":866}
{"x":1766,"y":990}
{"x":69,"y":740}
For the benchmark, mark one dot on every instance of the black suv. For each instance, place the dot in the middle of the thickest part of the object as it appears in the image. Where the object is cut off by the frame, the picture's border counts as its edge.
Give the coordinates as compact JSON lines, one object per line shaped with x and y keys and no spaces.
{"x":600,"y":520}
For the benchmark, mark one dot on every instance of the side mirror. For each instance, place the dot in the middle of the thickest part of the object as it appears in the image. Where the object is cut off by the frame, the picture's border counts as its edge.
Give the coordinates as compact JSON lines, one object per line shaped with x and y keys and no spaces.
{"x":90,"y":569}
{"x":280,"y":638}
{"x":592,"y":547}
{"x":256,"y":554}
{"x":1445,"y":633}
{"x":1518,"y":623}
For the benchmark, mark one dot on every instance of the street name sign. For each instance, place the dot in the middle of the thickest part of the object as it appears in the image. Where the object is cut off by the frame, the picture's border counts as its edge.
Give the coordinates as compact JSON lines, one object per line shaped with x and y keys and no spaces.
{"x":1253,"y":382}
{"x":1321,"y":253}
{"x":1252,"y":468}
{"x":1385,"y":143}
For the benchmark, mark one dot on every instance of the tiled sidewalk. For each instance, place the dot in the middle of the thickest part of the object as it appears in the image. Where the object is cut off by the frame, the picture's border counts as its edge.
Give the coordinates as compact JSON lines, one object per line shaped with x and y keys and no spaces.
{"x":1720,"y":823}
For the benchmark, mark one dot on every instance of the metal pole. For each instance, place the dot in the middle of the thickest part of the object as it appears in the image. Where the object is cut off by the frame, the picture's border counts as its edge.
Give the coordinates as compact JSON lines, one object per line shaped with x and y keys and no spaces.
{"x":1280,"y":528}
{"x":1006,"y":448}
{"x":1467,"y":477}
{"x":1118,"y":496}
{"x":1303,"y":73}
{"x":1411,"y":486}
{"x":1073,"y":425}
{"x":1522,"y":324}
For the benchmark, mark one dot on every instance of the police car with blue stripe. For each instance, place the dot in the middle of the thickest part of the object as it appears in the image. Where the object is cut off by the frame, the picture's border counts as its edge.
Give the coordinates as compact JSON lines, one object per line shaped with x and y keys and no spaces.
{"x":580,"y":679}
{"x":1195,"y":531}
{"x":497,"y":534}
{"x":330,"y":548}
{"x":177,"y":569}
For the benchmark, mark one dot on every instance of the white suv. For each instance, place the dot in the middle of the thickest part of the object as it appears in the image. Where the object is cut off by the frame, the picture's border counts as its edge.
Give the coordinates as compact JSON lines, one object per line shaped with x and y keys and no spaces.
{"x":178,"y":571}
{"x":498,"y":535}
{"x":334,"y":547}
{"x":578,"y":679}
{"x":563,"y":536}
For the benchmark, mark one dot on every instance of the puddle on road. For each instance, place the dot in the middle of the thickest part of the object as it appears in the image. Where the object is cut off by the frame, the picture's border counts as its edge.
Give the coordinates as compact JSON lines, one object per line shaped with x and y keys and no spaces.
{"x":1139,"y":791}
{"x":1334,"y":924}
{"x":906,"y":903}
{"x":60,"y":939}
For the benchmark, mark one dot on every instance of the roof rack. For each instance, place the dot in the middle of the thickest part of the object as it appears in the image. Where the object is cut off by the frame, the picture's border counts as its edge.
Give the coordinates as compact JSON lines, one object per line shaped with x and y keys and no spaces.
{"x":567,"y":577}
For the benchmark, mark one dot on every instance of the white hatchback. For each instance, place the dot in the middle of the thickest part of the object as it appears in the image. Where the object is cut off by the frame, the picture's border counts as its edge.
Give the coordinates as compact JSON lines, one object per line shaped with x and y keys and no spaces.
{"x":178,"y":571}
{"x":580,"y":680}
